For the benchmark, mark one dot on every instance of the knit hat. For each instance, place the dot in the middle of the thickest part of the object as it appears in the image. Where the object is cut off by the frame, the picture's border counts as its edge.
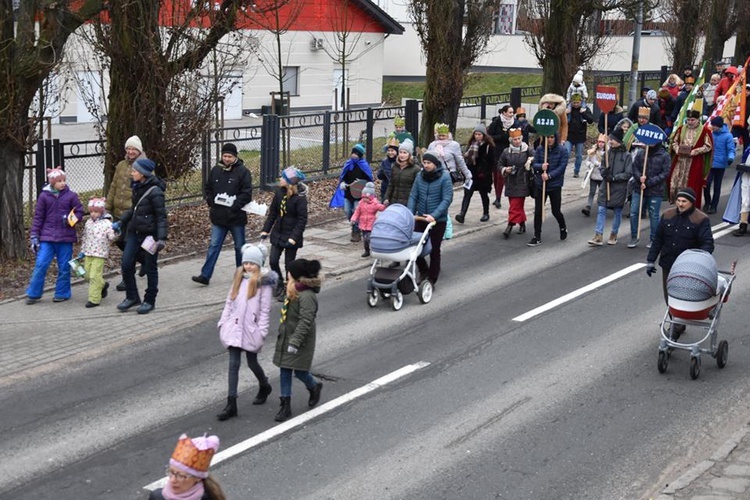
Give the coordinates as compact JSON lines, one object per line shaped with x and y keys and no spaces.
{"x":442,"y":128}
{"x":431,"y":156}
{"x":55,"y":175}
{"x":644,"y":111}
{"x":303,"y":268}
{"x":97,"y":204}
{"x":392,"y":143}
{"x":193,"y":456}
{"x":407,"y":145}
{"x":717,"y":121}
{"x":686,"y":192}
{"x":292,"y":175}
{"x":694,"y":113}
{"x":144,"y":166}
{"x":515,"y":132}
{"x":253,"y":253}
{"x":651,"y":94}
{"x":617,"y":135}
{"x":578,"y":78}
{"x":134,"y":142}
{"x":520,"y":111}
{"x":399,"y":121}
{"x":481,"y":128}
{"x":369,"y":189}
{"x":358,"y":150}
{"x":576,"y":97}
{"x":229,"y":148}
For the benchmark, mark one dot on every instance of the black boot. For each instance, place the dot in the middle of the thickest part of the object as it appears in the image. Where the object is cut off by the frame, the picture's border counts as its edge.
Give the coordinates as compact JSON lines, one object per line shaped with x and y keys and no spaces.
{"x":280,"y":289}
{"x":230,"y":410}
{"x":315,"y":394}
{"x":366,"y":253}
{"x":356,"y":236}
{"x":286,"y":409}
{"x":742,"y":230}
{"x":263,"y":391}
{"x":485,"y":217}
{"x":508,"y":229}
{"x":464,"y":206}
{"x":522,"y":228}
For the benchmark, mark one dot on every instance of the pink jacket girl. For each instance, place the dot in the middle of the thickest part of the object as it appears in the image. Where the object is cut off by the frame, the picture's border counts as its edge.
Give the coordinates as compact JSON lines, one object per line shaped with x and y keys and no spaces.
{"x":368,"y":208}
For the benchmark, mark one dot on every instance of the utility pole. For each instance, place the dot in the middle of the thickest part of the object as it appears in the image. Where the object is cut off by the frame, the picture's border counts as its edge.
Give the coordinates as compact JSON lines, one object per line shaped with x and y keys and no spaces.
{"x":634,"y":92}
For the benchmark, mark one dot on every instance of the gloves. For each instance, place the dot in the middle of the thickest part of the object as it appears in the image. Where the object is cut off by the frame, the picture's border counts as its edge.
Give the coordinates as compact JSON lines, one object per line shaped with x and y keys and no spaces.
{"x":81,"y":255}
{"x":263,"y":235}
{"x":160,"y":245}
{"x":342,"y":186}
{"x":291,"y":349}
{"x":730,"y":161}
{"x":650,"y":268}
{"x":34,"y":244}
{"x":116,"y":227}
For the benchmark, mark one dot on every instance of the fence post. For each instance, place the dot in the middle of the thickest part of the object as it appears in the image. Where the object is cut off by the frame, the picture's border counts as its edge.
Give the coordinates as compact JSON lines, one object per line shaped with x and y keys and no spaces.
{"x":368,"y":130}
{"x":58,"y":158}
{"x":515,"y":97}
{"x":482,"y":107}
{"x":326,"y":142}
{"x":412,"y":118}
{"x":664,"y":75}
{"x":269,"y":150}
{"x":40,"y":170}
{"x":622,"y":92}
{"x":205,"y":158}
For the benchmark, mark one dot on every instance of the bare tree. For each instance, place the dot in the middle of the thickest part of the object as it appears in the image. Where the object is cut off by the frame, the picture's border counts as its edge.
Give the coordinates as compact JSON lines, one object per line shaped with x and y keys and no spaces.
{"x":31,"y":46}
{"x":684,"y":35}
{"x":742,"y":46}
{"x":453,"y":35}
{"x":721,"y":23}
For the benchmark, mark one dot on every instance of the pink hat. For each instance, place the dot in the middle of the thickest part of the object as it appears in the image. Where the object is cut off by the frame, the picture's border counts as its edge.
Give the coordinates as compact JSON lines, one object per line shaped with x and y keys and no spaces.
{"x":193,"y":456}
{"x":97,"y":204}
{"x":55,"y":175}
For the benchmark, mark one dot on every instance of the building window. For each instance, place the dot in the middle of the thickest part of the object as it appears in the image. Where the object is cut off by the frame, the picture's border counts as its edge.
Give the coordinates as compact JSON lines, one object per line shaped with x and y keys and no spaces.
{"x":290,"y":82}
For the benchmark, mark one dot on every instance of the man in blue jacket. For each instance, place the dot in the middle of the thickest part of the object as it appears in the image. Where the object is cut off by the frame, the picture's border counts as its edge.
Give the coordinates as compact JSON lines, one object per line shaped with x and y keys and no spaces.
{"x":723,"y":157}
{"x":553,"y":173}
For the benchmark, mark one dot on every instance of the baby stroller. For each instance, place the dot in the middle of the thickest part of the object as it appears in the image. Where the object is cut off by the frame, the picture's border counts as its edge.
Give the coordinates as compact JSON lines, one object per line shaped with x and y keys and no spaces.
{"x":393,"y":239}
{"x":696,"y":293}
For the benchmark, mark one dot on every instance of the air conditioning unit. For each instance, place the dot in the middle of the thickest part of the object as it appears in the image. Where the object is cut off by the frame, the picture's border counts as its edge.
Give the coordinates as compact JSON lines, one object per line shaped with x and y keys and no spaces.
{"x":316,"y":44}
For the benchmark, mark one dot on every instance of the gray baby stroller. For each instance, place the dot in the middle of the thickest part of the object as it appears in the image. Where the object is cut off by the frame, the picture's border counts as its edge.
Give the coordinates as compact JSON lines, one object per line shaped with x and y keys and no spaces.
{"x":393,"y":240}
{"x":696,"y":293}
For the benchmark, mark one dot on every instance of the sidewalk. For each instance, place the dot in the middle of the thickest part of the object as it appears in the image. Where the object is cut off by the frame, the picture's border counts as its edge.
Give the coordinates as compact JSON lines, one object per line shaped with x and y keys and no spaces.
{"x":77,"y":334}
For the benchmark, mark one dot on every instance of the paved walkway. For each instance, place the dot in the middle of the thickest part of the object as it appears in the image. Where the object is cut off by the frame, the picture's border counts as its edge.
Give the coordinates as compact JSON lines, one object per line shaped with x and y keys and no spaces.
{"x":77,"y":334}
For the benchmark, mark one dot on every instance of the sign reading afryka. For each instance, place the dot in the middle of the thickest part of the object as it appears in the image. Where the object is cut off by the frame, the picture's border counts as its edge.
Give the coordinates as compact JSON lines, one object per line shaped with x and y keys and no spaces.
{"x":546,"y":122}
{"x":649,"y":134}
{"x":606,"y":98}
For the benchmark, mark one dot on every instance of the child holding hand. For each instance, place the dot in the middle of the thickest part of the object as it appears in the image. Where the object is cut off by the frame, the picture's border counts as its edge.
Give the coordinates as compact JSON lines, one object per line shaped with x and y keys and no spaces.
{"x":365,"y":213}
{"x":97,"y":235}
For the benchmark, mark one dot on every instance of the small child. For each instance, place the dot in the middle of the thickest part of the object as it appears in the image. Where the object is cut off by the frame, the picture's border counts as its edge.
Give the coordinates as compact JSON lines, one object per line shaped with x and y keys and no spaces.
{"x":593,"y":172}
{"x":578,"y":86}
{"x":386,"y":166}
{"x":365,"y":214}
{"x":53,"y":233}
{"x":97,"y":235}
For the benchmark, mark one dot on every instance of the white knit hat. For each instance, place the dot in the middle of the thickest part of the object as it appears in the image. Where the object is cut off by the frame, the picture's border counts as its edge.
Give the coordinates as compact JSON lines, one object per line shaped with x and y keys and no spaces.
{"x":407,"y":145}
{"x":134,"y":142}
{"x":253,"y":253}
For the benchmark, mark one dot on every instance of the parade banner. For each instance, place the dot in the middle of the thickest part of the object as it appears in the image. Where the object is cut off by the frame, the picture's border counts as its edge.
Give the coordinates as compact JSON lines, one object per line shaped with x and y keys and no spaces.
{"x":606,"y":98}
{"x":650,"y":134}
{"x":690,"y":101}
{"x":732,"y":105}
{"x":545,"y":122}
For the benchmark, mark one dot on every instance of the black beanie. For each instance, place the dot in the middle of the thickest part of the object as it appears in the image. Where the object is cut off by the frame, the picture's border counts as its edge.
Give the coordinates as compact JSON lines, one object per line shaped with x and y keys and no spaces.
{"x":229,"y":148}
{"x":617,"y":134}
{"x":688,"y":193}
{"x":303,"y":268}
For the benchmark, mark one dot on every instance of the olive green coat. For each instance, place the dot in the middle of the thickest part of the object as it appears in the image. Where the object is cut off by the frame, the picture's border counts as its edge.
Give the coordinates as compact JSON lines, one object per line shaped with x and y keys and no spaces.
{"x":119,"y":195}
{"x":299,"y":329}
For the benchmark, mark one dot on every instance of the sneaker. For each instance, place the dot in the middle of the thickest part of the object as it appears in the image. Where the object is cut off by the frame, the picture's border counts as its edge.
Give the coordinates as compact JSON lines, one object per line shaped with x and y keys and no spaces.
{"x":32,"y":300}
{"x":633,"y":242}
{"x":201,"y":279}
{"x":649,"y":244}
{"x":59,"y":299}
{"x":612,"y":239}
{"x":105,"y":290}
{"x":563,"y":233}
{"x":121,"y":286}
{"x":535,"y":242}
{"x":90,"y":304}
{"x":586,"y":211}
{"x":575,"y":176}
{"x":596,"y":241}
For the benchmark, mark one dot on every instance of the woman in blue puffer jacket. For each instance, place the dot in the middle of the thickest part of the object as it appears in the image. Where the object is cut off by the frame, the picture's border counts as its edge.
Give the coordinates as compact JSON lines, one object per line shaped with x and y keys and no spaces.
{"x":431,"y":195}
{"x":723,"y":157}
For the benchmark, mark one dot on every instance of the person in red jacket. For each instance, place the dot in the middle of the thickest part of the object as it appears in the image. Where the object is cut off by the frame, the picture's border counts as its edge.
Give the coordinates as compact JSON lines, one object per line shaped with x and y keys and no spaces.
{"x":726,"y":81}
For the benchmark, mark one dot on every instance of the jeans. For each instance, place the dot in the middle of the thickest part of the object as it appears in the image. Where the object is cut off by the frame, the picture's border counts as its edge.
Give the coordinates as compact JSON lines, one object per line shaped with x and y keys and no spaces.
{"x":579,"y":154}
{"x":715,"y":176}
{"x":593,"y":188}
{"x":290,"y":253}
{"x":653,"y":205}
{"x":49,"y":250}
{"x":601,"y":216}
{"x":218,"y":234}
{"x":132,"y":249}
{"x":349,"y":208}
{"x":235,"y":360}
{"x":555,"y":200}
{"x":285,"y":380}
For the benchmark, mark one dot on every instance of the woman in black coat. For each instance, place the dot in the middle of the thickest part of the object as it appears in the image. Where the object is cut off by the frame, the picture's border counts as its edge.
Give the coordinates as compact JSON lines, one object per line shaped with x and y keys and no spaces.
{"x":286,"y":222}
{"x":481,"y":162}
{"x":515,"y":166}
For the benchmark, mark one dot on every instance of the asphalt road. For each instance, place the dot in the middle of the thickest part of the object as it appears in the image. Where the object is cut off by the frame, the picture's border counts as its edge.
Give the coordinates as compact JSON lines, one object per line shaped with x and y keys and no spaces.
{"x":567,"y":404}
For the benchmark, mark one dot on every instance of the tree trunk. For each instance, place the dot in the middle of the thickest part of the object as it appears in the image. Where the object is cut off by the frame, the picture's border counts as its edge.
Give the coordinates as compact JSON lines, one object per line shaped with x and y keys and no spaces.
{"x":12,"y":233}
{"x":683,"y":51}
{"x":560,"y":43}
{"x":742,"y":47}
{"x":716,"y":32}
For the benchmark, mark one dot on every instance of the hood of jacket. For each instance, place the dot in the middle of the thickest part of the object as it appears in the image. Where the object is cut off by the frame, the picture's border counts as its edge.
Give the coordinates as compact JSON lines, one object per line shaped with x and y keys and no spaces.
{"x":302,"y":189}
{"x":155,"y":181}
{"x":557,"y":100}
{"x":435,"y":174}
{"x":313,"y":283}
{"x":268,"y":278}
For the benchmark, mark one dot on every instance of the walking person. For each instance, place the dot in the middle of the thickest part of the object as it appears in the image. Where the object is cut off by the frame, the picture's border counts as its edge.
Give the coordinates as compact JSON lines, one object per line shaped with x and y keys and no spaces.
{"x":53,"y":233}
{"x":243,"y":325}
{"x":187,"y":472}
{"x":724,"y":150}
{"x":553,"y":174}
{"x":692,"y":144}
{"x":579,"y":118}
{"x":386,"y":166}
{"x":594,"y":158}
{"x":365,"y":214}
{"x":614,"y":190}
{"x":449,"y":152}
{"x":515,"y":166}
{"x":652,"y":182}
{"x":146,"y":225}
{"x":356,"y":171}
{"x":480,"y":158}
{"x":97,"y":236}
{"x":229,"y":187}
{"x":498,"y":130}
{"x":295,"y":345}
{"x":286,"y":222}
{"x":403,"y":173}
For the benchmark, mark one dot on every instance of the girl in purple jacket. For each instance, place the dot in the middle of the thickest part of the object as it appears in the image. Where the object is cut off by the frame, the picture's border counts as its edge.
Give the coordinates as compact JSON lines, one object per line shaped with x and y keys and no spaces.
{"x":243,"y":326}
{"x":53,"y":233}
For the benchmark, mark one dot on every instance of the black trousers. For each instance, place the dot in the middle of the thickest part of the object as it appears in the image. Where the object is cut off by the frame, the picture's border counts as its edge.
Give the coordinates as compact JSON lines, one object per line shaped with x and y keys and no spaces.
{"x":555,"y":200}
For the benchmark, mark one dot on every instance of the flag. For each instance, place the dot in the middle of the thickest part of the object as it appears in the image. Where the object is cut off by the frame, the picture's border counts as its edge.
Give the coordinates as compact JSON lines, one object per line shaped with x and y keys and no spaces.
{"x":732,"y":105}
{"x":693,"y":100}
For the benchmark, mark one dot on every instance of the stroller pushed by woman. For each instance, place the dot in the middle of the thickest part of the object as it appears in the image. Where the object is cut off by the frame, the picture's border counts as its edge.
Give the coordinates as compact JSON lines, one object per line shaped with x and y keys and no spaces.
{"x":393,"y":240}
{"x":696,"y":293}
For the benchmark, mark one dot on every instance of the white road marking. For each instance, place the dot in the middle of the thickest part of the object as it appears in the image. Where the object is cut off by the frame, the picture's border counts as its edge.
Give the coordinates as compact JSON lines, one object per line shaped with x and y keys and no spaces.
{"x":304,"y":418}
{"x":608,"y":279}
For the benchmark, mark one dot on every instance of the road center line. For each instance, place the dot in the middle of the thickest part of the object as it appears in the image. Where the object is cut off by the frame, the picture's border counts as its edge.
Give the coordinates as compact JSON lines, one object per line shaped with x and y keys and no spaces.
{"x":304,"y":418}
{"x":607,"y":279}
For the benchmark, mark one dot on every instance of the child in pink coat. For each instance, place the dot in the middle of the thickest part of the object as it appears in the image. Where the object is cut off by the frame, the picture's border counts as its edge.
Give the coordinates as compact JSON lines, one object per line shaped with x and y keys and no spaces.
{"x":365,"y":213}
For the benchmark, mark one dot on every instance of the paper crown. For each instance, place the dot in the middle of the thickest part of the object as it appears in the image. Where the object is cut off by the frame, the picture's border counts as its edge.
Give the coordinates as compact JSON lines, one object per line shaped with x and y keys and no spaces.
{"x":193,"y":456}
{"x":644,"y":111}
{"x":514,"y":132}
{"x":399,"y":121}
{"x":442,"y":128}
{"x":392,"y":143}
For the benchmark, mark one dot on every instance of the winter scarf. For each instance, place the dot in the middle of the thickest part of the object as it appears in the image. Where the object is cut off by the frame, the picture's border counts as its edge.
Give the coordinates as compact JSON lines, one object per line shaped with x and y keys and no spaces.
{"x":507,"y":122}
{"x":473,"y":152}
{"x":194,"y":493}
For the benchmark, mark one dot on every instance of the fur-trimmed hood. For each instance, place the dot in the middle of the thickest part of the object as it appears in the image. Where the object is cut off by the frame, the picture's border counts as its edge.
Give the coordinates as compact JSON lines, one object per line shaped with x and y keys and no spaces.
{"x":313,"y":283}
{"x":558,"y":100}
{"x":268,"y":278}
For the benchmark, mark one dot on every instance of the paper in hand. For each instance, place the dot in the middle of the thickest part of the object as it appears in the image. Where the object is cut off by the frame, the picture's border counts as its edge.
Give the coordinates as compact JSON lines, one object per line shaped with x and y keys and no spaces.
{"x":468,"y":183}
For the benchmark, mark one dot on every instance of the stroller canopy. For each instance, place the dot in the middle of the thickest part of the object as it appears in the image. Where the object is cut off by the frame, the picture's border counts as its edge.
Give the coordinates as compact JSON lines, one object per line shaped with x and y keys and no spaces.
{"x":694,"y":276}
{"x":393,"y":229}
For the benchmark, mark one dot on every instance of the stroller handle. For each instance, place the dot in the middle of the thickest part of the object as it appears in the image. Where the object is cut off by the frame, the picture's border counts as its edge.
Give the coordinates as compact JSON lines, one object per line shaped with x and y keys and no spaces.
{"x":424,"y":219}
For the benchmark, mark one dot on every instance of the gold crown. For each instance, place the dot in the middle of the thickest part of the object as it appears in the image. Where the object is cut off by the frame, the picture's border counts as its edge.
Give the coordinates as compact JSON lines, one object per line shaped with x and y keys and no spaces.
{"x":392,"y":143}
{"x":187,"y":454}
{"x":515,"y":132}
{"x":399,"y":121}
{"x":644,"y":111}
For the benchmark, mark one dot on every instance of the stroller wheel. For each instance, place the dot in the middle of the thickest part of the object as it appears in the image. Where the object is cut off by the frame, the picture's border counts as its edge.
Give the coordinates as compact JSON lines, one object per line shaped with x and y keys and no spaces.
{"x":695,"y":367}
{"x":722,"y":354}
{"x":424,"y":292}
{"x":397,"y":301}
{"x":663,"y":361}
{"x":372,"y":297}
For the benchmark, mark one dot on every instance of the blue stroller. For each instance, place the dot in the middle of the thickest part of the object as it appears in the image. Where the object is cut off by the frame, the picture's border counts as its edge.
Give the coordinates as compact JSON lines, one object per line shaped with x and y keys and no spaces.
{"x":393,"y":239}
